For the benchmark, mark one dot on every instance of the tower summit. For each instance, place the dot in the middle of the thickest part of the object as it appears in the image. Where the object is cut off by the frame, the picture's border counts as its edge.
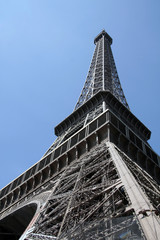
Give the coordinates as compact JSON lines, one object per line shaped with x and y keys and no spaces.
{"x":99,"y":179}
{"x":102,"y":75}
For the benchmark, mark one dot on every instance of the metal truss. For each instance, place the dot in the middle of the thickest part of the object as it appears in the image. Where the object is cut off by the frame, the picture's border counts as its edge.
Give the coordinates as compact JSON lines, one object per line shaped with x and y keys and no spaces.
{"x":119,"y":228}
{"x":88,"y":202}
{"x":87,"y":198}
{"x":102,"y":75}
{"x":66,"y":135}
{"x":75,"y":127}
{"x":34,"y":236}
{"x":146,"y":182}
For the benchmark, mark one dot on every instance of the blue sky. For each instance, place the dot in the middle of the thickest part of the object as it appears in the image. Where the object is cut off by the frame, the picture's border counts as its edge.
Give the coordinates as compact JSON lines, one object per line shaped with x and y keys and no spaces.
{"x":45,"y":52}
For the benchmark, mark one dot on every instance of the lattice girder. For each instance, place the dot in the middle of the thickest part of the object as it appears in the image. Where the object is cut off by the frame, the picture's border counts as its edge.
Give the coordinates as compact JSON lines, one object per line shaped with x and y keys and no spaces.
{"x":89,"y":192}
{"x":102,"y":75}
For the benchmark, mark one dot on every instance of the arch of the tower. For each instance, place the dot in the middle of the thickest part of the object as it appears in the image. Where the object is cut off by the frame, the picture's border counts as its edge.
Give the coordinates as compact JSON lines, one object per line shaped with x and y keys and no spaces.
{"x":13,"y":226}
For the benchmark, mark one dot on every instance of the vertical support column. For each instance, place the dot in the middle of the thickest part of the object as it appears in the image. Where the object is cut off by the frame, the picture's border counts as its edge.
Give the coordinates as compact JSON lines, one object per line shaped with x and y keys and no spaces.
{"x":143,"y":148}
{"x":49,"y":172}
{"x":25,"y":188}
{"x":11,"y":198}
{"x":127,"y":132}
{"x":18,"y":195}
{"x":97,"y":138}
{"x":76,"y":152}
{"x":40,"y":180}
{"x":57,"y":165}
{"x":139,"y":201}
{"x":103,"y":63}
{"x":108,"y":133}
{"x":66,"y":159}
{"x":86,"y":145}
{"x":92,"y":81}
{"x":104,"y":106}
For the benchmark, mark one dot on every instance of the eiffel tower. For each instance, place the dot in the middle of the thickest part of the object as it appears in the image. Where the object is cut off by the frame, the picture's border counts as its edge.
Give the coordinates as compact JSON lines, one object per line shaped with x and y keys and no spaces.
{"x":99,"y":179}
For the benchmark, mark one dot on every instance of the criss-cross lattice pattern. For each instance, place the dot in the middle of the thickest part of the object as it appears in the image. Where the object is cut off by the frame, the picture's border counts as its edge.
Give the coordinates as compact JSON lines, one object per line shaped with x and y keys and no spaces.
{"x":89,"y":202}
{"x":146,"y":182}
{"x":102,"y":75}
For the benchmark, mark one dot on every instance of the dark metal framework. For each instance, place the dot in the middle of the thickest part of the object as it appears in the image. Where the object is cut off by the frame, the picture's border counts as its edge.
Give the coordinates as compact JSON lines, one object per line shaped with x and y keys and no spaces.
{"x":102,"y":75}
{"x":89,"y":202}
{"x":100,"y":178}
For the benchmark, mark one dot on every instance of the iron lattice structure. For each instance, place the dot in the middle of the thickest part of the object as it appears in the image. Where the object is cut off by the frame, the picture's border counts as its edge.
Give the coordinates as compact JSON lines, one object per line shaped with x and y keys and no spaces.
{"x":102,"y":75}
{"x":99,"y":179}
{"x":89,"y":202}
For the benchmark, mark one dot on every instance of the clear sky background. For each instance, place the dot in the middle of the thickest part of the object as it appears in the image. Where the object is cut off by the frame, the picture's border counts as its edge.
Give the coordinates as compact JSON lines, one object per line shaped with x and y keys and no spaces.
{"x":45,"y":52}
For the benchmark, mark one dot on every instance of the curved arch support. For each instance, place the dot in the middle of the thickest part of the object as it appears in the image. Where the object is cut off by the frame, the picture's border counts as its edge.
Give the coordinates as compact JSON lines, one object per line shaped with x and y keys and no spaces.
{"x":13,"y":226}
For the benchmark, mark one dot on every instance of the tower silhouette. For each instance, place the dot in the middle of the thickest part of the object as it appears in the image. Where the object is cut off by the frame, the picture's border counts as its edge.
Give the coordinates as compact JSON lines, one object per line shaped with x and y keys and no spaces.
{"x":99,"y":179}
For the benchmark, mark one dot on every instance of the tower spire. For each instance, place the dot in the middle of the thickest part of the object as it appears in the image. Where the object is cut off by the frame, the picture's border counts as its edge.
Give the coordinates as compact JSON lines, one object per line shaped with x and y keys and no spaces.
{"x":99,"y":179}
{"x":102,"y":75}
